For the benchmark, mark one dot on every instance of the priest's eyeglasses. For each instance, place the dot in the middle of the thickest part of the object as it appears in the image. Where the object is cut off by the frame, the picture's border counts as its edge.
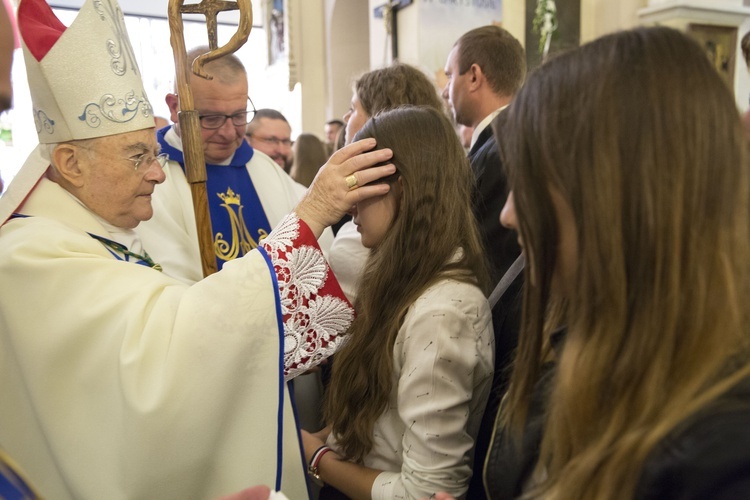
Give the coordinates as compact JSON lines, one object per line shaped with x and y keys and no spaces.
{"x":239,"y":119}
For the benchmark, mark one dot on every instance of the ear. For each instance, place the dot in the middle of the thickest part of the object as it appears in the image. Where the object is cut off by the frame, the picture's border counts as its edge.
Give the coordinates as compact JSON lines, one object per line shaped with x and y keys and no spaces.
{"x":476,"y":77}
{"x":400,"y":188}
{"x":65,"y":158}
{"x":173,"y":102}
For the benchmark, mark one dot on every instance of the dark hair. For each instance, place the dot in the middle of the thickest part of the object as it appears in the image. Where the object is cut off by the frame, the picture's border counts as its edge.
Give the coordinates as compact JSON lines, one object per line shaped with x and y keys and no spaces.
{"x":269,"y":113}
{"x":340,"y":139}
{"x":434,"y":219}
{"x":335,"y":122}
{"x":498,"y":53}
{"x":261,"y":113}
{"x":745,"y":45}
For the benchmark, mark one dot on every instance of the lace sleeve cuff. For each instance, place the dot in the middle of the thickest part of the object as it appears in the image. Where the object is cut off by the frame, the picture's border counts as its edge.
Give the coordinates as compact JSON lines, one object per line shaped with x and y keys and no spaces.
{"x":315,"y":311}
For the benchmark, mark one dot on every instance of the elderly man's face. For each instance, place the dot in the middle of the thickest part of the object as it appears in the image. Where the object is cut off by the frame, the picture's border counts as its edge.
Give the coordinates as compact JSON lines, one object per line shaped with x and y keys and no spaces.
{"x":274,"y":138}
{"x":111,"y":186}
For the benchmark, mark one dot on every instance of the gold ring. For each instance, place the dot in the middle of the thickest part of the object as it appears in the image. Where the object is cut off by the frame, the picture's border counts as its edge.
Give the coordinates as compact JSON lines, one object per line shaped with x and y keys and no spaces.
{"x":351,"y":182}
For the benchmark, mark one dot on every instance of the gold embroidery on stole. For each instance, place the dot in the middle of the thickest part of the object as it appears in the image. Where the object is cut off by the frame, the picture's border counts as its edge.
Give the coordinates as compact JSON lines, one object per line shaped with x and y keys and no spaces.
{"x":241,"y":241}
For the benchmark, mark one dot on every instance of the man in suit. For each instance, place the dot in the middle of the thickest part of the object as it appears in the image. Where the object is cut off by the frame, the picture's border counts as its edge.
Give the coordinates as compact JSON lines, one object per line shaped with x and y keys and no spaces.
{"x":485,"y":69}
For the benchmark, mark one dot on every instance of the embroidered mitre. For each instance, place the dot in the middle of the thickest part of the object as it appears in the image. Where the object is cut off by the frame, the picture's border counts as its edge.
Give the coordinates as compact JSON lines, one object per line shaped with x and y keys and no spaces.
{"x":84,"y":83}
{"x":84,"y":79}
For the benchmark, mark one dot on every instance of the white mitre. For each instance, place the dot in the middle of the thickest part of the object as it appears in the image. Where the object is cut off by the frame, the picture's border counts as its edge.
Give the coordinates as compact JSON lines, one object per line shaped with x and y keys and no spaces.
{"x":84,"y":83}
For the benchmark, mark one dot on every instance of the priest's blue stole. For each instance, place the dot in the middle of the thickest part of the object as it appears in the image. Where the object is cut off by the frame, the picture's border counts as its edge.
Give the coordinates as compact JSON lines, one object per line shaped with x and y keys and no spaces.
{"x":238,"y":220}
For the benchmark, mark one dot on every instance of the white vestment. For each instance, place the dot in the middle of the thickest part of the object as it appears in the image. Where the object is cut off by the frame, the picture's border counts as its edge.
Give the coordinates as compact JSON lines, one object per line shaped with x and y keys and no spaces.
{"x":348,"y":257}
{"x":171,"y":238}
{"x":118,"y":381}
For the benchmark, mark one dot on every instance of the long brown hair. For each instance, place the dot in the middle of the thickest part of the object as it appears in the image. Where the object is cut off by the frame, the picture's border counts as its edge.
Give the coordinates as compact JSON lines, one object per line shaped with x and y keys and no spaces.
{"x":433,"y":220}
{"x":309,"y":154}
{"x":642,"y":139}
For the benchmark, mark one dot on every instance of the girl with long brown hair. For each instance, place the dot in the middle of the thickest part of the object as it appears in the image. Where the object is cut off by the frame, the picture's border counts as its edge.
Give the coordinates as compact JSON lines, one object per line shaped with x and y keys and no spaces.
{"x":409,"y":387}
{"x":631,"y":195}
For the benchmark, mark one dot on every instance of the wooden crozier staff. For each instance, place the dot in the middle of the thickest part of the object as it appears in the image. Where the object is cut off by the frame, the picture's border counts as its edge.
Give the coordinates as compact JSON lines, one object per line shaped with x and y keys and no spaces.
{"x":195,"y":164}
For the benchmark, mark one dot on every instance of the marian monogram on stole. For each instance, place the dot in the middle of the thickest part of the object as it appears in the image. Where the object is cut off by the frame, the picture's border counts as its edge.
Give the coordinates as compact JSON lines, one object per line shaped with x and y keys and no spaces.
{"x":241,"y":240}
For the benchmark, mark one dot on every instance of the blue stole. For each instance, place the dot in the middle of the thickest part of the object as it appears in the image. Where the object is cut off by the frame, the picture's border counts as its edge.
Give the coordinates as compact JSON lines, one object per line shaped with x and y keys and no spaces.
{"x":238,"y":220}
{"x":13,"y":485}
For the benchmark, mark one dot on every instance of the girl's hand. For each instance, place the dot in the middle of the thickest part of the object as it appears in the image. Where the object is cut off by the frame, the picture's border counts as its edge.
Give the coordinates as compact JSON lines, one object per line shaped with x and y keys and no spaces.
{"x":310,"y":442}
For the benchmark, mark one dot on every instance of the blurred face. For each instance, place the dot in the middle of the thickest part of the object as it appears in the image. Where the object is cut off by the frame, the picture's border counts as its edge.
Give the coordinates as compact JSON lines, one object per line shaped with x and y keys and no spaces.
{"x":111,"y":187}
{"x":567,"y":248}
{"x":355,"y":119}
{"x":746,"y":123}
{"x":6,"y":59}
{"x":212,"y":97}
{"x":274,"y":138}
{"x":509,"y":219}
{"x":374,"y":216}
{"x":332,"y":130}
{"x":455,"y":90}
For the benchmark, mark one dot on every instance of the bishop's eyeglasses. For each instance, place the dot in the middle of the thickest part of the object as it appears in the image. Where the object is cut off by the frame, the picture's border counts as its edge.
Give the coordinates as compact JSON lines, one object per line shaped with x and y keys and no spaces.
{"x":143,"y":159}
{"x":239,"y":119}
{"x":147,"y":159}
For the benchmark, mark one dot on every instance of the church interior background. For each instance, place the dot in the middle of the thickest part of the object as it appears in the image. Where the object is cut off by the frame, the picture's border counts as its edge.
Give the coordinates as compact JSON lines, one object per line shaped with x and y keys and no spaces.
{"x":303,"y":55}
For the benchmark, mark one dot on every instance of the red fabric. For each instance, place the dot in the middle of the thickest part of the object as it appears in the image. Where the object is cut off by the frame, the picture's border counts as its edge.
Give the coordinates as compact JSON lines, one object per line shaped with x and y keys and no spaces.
{"x":331,"y":287}
{"x":304,"y":327}
{"x":39,"y":27}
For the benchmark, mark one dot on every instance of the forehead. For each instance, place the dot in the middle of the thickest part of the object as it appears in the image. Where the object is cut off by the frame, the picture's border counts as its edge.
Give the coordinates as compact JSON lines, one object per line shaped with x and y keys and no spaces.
{"x":276,"y":128}
{"x":357,"y":103}
{"x":452,"y":60}
{"x":213,"y":95}
{"x":137,"y":141}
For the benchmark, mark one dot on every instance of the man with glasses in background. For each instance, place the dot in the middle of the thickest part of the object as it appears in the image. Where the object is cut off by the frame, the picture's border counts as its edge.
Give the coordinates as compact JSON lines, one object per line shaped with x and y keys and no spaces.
{"x":248,"y":195}
{"x":269,"y":132}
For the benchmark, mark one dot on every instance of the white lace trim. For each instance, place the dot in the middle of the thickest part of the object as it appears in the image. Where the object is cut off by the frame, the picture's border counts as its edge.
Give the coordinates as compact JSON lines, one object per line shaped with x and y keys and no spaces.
{"x":313,"y":323}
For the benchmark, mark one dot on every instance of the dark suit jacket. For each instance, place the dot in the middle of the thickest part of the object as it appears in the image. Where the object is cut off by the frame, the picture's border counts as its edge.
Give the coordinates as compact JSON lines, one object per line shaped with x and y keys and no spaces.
{"x":502,"y":249}
{"x":489,"y":197}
